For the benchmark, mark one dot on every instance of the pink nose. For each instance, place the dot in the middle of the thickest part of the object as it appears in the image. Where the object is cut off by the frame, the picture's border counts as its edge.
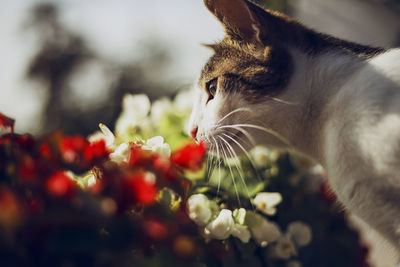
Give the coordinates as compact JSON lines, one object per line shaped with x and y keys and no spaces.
{"x":193,"y":132}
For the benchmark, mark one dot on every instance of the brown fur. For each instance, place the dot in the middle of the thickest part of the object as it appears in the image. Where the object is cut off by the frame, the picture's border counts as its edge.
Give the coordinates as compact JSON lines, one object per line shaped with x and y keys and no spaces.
{"x":254,"y":55}
{"x":237,"y":68}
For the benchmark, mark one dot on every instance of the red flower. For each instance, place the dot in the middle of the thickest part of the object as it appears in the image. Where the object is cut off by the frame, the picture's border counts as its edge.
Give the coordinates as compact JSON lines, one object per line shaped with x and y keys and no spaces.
{"x":96,"y":150}
{"x":143,"y":190}
{"x":45,"y":151}
{"x":60,"y":185}
{"x":190,"y":156}
{"x":6,"y":122}
{"x":164,"y":166}
{"x":27,"y":170}
{"x":138,"y":157}
{"x":155,"y":229}
{"x":72,"y":147}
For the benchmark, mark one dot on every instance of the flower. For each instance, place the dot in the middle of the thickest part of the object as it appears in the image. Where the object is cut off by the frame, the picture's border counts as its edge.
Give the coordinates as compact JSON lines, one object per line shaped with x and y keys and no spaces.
{"x":242,"y":232}
{"x":157,"y":145}
{"x":300,"y":233}
{"x":60,"y":184}
{"x":72,"y":147}
{"x":95,"y":151}
{"x":6,"y":122}
{"x":144,"y":190}
{"x":91,"y":181}
{"x":135,"y":109}
{"x":104,"y":134}
{"x":183,"y":101}
{"x":159,"y":109}
{"x":261,"y":156}
{"x":199,"y":209}
{"x":264,"y":231}
{"x":266,"y":202}
{"x":156,"y":229}
{"x":137,"y":105}
{"x":284,"y":248}
{"x":190,"y":156}
{"x":108,"y":135}
{"x":221,"y":227}
{"x":121,"y":153}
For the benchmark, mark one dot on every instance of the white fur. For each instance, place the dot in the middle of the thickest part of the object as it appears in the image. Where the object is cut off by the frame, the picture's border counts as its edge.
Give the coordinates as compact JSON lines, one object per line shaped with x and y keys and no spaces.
{"x":361,"y":143}
{"x":341,"y":111}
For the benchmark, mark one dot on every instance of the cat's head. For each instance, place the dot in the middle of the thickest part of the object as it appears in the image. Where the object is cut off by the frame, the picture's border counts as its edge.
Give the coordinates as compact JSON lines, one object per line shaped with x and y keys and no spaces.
{"x":238,"y":96}
{"x":268,"y":80}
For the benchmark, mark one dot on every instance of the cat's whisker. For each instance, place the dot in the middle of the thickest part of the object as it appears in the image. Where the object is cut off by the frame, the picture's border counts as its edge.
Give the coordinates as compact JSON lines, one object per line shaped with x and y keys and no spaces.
{"x":246,"y":133}
{"x":239,"y":168}
{"x":283,"y":101}
{"x":219,"y":165}
{"x":209,"y":161}
{"x":230,"y":170}
{"x":246,"y":153}
{"x":231,"y":113}
{"x":269,"y":131}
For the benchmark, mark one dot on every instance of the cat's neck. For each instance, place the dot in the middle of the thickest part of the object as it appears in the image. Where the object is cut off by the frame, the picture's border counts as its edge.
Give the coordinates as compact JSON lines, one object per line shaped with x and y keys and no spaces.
{"x":315,"y":83}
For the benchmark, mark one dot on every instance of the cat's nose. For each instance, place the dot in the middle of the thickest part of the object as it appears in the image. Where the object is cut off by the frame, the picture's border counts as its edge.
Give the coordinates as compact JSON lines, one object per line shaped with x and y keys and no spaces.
{"x":193,"y":132}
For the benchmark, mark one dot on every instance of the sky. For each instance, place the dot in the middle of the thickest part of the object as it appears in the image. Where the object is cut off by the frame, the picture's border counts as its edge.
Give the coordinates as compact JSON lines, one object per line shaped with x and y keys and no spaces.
{"x":115,"y":30}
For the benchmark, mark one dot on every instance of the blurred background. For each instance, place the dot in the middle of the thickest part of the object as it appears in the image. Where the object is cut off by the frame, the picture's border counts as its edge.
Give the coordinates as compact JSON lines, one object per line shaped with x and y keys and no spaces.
{"x":67,"y":63}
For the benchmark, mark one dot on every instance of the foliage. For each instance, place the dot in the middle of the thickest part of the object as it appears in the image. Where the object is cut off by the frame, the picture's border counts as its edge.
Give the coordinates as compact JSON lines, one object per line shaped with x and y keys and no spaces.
{"x":126,"y":200}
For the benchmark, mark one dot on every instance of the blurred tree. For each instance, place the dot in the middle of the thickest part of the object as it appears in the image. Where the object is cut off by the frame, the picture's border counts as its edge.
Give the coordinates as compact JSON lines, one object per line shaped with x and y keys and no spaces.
{"x":63,"y":53}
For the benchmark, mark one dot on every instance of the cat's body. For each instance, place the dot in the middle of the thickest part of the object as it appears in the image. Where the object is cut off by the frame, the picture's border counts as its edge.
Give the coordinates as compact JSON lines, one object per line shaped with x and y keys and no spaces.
{"x":275,"y":82}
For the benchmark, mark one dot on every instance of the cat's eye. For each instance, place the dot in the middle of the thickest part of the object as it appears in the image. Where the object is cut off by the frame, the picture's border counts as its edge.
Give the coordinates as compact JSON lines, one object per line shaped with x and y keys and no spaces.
{"x":211,"y":87}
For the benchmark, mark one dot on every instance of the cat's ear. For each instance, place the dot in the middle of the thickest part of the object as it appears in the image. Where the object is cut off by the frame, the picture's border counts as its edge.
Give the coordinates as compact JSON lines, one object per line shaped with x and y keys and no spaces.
{"x":237,"y":18}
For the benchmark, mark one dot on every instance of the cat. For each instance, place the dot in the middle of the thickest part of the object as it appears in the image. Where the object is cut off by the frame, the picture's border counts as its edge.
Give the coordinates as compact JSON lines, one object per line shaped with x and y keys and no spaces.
{"x":273,"y":81}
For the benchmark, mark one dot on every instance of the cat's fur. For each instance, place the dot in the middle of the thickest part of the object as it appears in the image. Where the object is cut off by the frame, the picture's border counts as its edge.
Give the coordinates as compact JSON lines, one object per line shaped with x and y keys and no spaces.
{"x":337,"y":102}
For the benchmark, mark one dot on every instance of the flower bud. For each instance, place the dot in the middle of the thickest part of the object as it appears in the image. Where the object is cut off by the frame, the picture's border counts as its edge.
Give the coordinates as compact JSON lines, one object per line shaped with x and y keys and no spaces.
{"x":221,"y":227}
{"x":199,"y":209}
{"x":266,"y":202}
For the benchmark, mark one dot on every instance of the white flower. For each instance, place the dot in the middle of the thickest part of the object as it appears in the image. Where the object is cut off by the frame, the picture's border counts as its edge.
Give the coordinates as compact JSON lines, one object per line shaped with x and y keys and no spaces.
{"x":104,"y":134}
{"x":108,"y":135}
{"x":221,"y":227}
{"x":239,"y":216}
{"x":242,"y":232}
{"x":300,"y":233}
{"x":121,"y":153}
{"x":150,"y":178}
{"x":159,"y":109}
{"x":261,"y":156}
{"x":294,"y":264}
{"x":184,"y":101}
{"x":284,"y":248}
{"x":265,"y":232}
{"x":91,"y":181}
{"x":157,"y":145}
{"x":199,"y":209}
{"x":136,"y":105}
{"x":266,"y":202}
{"x":134,"y":113}
{"x":94,"y":137}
